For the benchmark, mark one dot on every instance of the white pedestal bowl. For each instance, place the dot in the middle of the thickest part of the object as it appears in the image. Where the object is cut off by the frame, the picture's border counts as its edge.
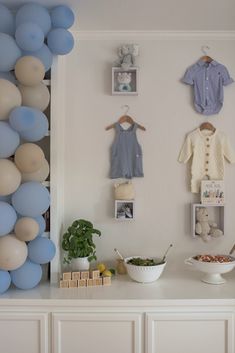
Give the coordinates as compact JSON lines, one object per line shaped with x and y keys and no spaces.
{"x":212,"y":270}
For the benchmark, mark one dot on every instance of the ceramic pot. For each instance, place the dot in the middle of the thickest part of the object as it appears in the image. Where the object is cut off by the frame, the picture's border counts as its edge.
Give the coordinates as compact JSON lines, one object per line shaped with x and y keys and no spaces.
{"x":80,"y":264}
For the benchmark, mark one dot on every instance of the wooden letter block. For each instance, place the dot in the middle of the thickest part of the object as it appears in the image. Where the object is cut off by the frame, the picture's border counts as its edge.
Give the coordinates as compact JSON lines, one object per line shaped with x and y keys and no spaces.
{"x":90,"y":282}
{"x":67,"y":276}
{"x":64,"y":284}
{"x":84,"y":274}
{"x":82,"y":283}
{"x":73,"y":283}
{"x":106,"y":281}
{"x":98,"y":281}
{"x":95,"y":274}
{"x":76,"y":275}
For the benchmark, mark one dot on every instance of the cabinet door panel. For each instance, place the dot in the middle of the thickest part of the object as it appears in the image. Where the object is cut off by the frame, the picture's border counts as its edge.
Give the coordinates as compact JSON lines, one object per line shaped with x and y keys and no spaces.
{"x":195,"y":332}
{"x":23,"y":333}
{"x":99,"y":333}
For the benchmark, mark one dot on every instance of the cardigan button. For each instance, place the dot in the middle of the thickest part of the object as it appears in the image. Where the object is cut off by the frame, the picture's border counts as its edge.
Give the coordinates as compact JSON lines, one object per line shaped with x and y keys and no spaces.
{"x":207,"y":162}
{"x":207,"y":154}
{"x":208,"y":139}
{"x":207,"y":145}
{"x":206,"y":170}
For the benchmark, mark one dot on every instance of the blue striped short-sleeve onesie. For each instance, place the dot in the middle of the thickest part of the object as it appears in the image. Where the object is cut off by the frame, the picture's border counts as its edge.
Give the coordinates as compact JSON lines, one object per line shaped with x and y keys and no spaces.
{"x":126,"y":154}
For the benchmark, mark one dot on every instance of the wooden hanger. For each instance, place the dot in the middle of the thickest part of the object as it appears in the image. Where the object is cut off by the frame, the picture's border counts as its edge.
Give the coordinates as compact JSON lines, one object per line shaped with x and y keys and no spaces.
{"x":126,"y":119}
{"x":207,"y":126}
{"x":206,"y":58}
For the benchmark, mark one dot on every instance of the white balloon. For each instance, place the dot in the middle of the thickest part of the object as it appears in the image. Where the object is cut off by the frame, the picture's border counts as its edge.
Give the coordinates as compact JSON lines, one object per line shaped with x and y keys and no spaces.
{"x":10,"y":98}
{"x":13,"y":252}
{"x":10,"y":177}
{"x":40,"y":175}
{"x":26,"y":229}
{"x":29,"y":158}
{"x":35,"y":96}
{"x":29,"y":71}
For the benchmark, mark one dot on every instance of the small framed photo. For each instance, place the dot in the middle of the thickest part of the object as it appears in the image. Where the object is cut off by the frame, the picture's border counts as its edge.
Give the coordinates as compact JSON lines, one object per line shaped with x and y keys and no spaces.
{"x":125,"y":82}
{"x":212,"y":192}
{"x":124,"y":210}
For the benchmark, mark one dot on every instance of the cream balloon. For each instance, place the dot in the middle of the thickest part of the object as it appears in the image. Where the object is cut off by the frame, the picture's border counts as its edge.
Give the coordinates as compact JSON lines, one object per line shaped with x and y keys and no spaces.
{"x":29,"y":158}
{"x":29,"y":71}
{"x":26,"y":229}
{"x":36,"y":96}
{"x":10,"y":98}
{"x":13,"y":252}
{"x":10,"y":177}
{"x":40,"y":175}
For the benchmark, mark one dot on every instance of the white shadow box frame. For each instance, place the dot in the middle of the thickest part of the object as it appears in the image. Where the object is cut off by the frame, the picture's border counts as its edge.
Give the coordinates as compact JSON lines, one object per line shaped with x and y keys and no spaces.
{"x":124,"y":210}
{"x":216,"y":214}
{"x":134,"y":81}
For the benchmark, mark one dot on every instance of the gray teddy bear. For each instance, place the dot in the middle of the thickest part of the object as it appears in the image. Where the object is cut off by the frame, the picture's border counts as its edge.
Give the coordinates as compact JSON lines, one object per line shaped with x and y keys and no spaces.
{"x":127,"y":55}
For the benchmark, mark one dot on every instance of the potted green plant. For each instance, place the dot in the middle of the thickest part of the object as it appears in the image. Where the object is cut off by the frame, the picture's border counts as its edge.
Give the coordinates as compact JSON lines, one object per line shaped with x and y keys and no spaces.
{"x":78,"y":243}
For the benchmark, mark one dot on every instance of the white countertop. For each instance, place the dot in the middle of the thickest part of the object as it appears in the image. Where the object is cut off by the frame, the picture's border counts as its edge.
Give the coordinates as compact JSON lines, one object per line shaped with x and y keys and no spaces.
{"x":174,"y":287}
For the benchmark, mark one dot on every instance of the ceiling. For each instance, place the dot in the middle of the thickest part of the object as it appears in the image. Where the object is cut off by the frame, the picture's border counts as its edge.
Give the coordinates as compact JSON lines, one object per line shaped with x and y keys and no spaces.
{"x":147,"y":14}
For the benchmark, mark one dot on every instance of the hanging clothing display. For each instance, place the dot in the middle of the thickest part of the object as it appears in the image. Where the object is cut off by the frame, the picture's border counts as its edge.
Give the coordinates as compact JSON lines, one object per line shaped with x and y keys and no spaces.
{"x":208,"y":150}
{"x":207,"y":79}
{"x":126,"y":153}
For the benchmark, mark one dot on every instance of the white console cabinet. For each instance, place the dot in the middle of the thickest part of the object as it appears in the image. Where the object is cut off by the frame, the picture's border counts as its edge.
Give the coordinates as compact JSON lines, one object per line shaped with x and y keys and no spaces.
{"x":173,"y":315}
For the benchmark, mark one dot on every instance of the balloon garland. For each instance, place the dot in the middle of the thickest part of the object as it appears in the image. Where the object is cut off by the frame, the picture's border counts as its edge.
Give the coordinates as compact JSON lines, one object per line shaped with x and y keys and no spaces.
{"x":28,"y":41}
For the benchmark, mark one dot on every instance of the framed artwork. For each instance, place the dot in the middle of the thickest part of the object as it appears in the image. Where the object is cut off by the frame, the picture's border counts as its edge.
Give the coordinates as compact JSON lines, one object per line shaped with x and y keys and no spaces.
{"x":124,"y":210}
{"x":212,"y":192}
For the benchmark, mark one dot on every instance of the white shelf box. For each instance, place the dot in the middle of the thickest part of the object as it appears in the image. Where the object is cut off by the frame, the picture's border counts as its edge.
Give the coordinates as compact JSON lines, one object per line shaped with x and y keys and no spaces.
{"x":125,"y":89}
{"x":216,"y":214}
{"x":124,"y":210}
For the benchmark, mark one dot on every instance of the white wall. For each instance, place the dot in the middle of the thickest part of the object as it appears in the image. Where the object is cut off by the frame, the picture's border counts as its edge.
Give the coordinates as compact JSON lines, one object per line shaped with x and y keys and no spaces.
{"x":164,"y":106}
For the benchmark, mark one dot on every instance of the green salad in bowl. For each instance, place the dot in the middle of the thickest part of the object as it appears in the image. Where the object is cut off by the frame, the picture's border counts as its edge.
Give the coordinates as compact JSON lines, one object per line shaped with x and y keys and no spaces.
{"x":139,"y":261}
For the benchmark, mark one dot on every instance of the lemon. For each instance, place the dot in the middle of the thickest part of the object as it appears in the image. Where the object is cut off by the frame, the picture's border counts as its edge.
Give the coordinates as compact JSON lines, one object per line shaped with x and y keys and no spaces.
{"x":101,"y":267}
{"x":107,"y":273}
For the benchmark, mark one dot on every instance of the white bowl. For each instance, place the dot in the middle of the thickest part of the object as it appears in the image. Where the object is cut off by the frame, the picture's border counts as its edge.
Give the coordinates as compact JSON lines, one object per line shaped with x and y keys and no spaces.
{"x":144,"y":274}
{"x":212,"y":270}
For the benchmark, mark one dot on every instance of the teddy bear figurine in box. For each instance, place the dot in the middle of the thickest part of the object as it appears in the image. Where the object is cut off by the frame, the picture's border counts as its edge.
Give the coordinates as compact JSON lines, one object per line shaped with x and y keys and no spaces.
{"x":124,"y":80}
{"x":127,"y":55}
{"x":204,"y":227}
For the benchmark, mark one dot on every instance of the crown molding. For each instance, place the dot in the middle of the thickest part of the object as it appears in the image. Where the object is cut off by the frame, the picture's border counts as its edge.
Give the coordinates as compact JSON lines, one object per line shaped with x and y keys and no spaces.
{"x":154,"y":35}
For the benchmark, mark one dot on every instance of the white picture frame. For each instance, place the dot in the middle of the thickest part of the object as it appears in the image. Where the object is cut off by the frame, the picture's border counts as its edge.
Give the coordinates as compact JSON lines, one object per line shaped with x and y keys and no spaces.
{"x":116,"y":90}
{"x":212,"y":192}
{"x":124,"y":210}
{"x":216,"y":214}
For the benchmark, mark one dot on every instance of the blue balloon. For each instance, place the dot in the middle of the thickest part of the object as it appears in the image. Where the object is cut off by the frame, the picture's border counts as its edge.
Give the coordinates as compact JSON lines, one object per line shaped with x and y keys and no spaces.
{"x":29,"y":36}
{"x":8,"y":218}
{"x":9,"y":140}
{"x":31,"y":123}
{"x":9,"y":52}
{"x":62,"y":17}
{"x":27,"y":276}
{"x":31,"y":199}
{"x":60,"y":41}
{"x":5,"y":281}
{"x":34,"y":13}
{"x":7,"y":21}
{"x":41,"y":250}
{"x":42,"y":224}
{"x":44,"y":54}
{"x":39,"y":130}
{"x":22,"y":118}
{"x":9,"y":76}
